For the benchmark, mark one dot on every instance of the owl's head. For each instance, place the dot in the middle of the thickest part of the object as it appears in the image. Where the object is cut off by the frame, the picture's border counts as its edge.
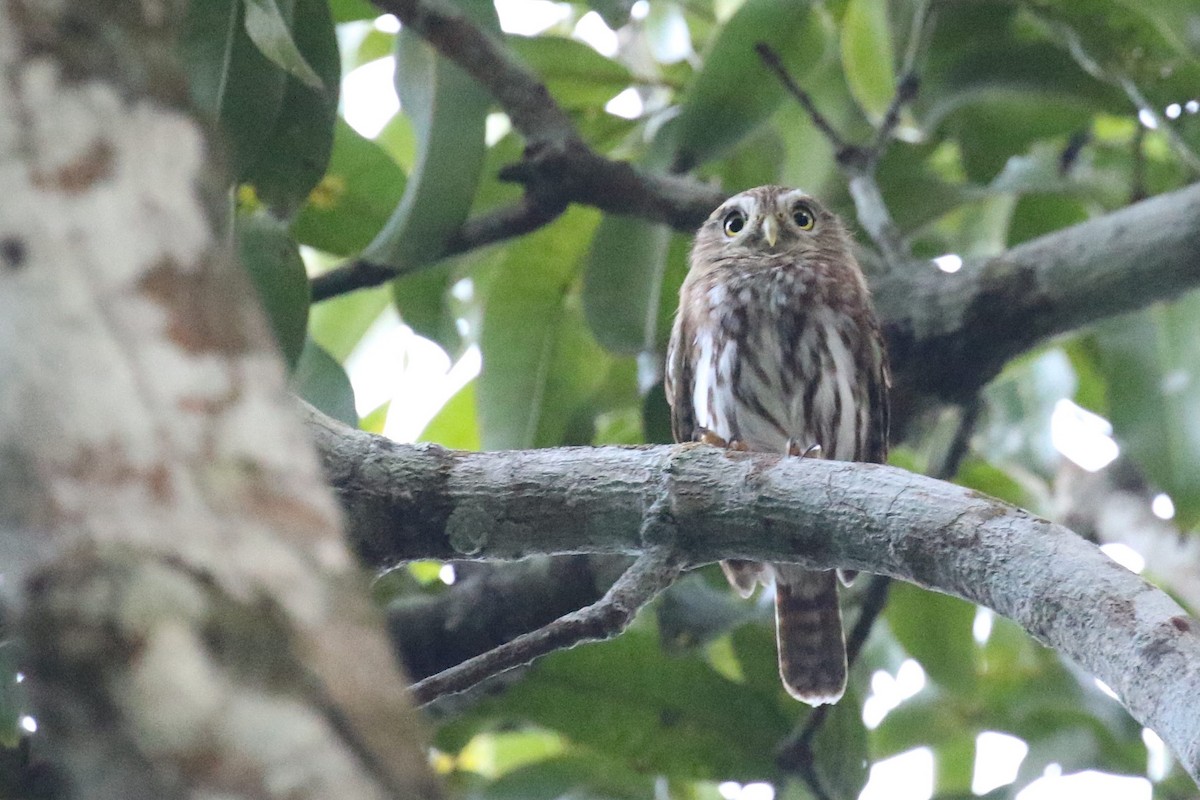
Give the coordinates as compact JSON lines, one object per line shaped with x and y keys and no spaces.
{"x":770,"y":220}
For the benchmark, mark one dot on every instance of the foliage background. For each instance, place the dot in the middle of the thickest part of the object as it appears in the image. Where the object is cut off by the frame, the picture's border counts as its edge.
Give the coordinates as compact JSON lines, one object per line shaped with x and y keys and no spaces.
{"x":1032,"y":116}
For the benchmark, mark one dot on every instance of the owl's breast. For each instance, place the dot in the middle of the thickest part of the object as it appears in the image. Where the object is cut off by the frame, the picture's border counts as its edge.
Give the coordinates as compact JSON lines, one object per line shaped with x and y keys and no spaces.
{"x":770,"y":367}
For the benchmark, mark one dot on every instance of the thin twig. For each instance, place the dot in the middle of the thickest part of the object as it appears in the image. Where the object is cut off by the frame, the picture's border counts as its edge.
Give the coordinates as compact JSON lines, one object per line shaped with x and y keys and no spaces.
{"x":906,"y":92}
{"x":1145,"y":108}
{"x":558,"y":167}
{"x":652,"y":572}
{"x":773,"y":62}
{"x":858,"y":162}
{"x":526,"y":215}
{"x":349,"y":277}
{"x":909,"y":83}
{"x":1137,"y":175}
{"x":1069,"y":156}
{"x":552,"y":142}
{"x":918,"y":37}
{"x":960,"y":444}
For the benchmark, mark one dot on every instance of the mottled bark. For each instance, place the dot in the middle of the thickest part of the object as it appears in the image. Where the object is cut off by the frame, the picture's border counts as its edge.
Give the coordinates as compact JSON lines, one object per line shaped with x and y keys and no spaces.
{"x":191,"y":621}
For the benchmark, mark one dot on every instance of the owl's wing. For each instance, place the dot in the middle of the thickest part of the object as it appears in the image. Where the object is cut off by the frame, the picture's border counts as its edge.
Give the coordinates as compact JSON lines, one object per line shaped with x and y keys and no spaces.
{"x":680,"y":380}
{"x":879,"y":384}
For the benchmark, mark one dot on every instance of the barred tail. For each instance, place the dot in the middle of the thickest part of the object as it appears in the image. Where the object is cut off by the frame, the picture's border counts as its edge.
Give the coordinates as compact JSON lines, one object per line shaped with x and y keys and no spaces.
{"x":808,"y":627}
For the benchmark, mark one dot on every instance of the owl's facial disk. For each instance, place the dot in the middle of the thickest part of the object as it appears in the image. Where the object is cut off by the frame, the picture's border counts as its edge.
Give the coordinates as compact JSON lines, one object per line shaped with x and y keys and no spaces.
{"x":785,"y":220}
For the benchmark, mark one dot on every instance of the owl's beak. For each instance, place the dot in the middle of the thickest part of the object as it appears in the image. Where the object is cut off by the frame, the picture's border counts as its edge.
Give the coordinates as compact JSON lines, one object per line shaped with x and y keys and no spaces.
{"x":770,"y":229}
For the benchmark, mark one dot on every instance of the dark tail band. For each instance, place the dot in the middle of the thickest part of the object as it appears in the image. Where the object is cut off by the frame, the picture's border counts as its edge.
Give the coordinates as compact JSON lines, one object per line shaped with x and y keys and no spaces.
{"x":808,"y":626}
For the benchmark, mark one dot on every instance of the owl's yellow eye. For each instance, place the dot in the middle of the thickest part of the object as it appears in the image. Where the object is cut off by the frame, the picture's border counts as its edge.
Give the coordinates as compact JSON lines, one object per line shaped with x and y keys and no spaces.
{"x":803,"y":216}
{"x":734,"y":222}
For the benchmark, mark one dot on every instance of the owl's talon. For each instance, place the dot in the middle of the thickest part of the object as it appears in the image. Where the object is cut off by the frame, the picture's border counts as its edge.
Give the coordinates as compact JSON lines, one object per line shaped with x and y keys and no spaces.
{"x":812,"y":451}
{"x":705,"y":436}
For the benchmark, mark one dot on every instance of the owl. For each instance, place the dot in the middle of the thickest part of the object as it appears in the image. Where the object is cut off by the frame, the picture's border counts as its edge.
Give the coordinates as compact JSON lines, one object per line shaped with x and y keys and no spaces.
{"x":776,"y":348}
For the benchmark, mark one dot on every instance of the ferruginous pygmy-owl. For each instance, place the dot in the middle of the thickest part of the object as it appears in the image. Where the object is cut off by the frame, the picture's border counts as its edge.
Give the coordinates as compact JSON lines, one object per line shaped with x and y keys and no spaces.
{"x":776,"y":348}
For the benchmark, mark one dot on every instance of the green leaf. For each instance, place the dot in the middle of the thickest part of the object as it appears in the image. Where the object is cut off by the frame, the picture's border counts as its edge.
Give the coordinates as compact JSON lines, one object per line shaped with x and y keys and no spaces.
{"x":840,"y":748}
{"x":230,"y":79}
{"x":270,"y":257}
{"x":673,"y":716}
{"x":351,"y":10}
{"x":1091,"y":391}
{"x":954,"y":762}
{"x":622,"y":282}
{"x":734,"y":92}
{"x":935,"y":629}
{"x":755,"y":161}
{"x":615,"y":13}
{"x":455,"y":425}
{"x":1038,"y":214}
{"x":448,"y":111}
{"x":1152,"y":363}
{"x":297,"y":151}
{"x":692,"y":612}
{"x":1175,"y":22}
{"x":758,"y":659}
{"x":1157,"y":29}
{"x":503,"y":752}
{"x":656,"y":417}
{"x":622,"y":426}
{"x":1001,"y":122}
{"x":339,"y":323}
{"x":673,"y":276}
{"x":353,"y":201}
{"x":421,"y":300}
{"x":928,"y":719}
{"x":982,"y":476}
{"x":375,"y":420}
{"x":1020,"y":402}
{"x":576,"y":75}
{"x":867,"y":55}
{"x":268,"y":26}
{"x":539,"y":362}
{"x":375,"y":45}
{"x":322,"y":382}
{"x":583,"y":776}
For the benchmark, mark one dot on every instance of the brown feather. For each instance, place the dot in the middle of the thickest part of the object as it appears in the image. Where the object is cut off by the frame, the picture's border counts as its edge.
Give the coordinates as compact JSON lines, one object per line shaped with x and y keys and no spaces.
{"x":778,"y":346}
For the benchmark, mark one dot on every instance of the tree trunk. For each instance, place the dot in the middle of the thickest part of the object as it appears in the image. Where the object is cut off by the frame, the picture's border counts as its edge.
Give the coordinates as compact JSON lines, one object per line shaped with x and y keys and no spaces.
{"x":190,"y":620}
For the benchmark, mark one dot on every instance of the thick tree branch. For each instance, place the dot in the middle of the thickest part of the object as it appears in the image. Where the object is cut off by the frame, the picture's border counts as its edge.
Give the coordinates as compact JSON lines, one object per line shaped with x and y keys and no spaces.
{"x":948,"y":335}
{"x":423,"y":501}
